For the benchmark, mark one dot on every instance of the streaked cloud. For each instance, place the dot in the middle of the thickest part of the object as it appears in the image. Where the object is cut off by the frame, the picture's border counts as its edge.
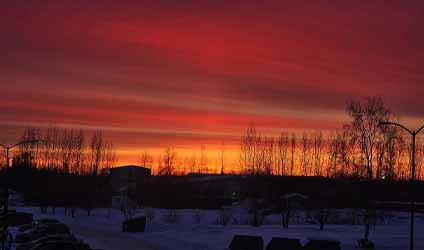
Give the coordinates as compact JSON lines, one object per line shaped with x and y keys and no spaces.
{"x":195,"y":72}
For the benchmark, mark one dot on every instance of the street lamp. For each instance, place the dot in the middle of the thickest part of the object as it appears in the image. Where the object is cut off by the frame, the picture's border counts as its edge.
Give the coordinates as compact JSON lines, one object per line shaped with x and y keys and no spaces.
{"x":413,"y":133}
{"x":8,"y":148}
{"x":6,"y":182}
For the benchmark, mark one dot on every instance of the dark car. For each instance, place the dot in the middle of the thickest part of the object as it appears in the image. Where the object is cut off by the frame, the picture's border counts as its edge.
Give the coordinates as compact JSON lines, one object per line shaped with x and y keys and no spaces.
{"x":46,"y":221}
{"x":5,"y":237}
{"x":62,"y":245}
{"x":25,"y":227}
{"x":46,"y":239}
{"x":246,"y":242}
{"x":14,"y":219}
{"x":42,"y":231}
{"x":55,"y":228}
{"x":37,"y":223}
{"x":133,"y":225}
{"x":284,"y":244}
{"x":322,"y":245}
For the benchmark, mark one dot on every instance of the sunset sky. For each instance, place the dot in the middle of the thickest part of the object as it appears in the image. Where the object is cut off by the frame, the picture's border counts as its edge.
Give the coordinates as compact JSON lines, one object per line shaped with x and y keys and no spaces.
{"x":151,"y":74}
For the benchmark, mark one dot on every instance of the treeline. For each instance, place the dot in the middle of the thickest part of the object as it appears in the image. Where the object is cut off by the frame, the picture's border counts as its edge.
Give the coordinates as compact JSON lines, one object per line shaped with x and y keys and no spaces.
{"x":51,"y":188}
{"x":361,"y":149}
{"x":169,"y":162}
{"x":56,"y":167}
{"x":65,"y":150}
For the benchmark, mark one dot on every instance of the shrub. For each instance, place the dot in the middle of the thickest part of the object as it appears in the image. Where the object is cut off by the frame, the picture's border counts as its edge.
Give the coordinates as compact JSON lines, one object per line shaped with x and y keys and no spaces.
{"x":150,"y":213}
{"x":224,"y":217}
{"x":198,"y":216}
{"x":366,"y":244}
{"x":171,"y":216}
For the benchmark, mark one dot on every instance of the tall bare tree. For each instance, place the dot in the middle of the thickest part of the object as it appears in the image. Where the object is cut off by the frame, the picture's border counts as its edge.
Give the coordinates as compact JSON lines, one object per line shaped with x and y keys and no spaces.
{"x":366,"y":115}
{"x":29,"y":152}
{"x":268,"y":158}
{"x":203,"y":161}
{"x":79,"y":159}
{"x":222,"y":157}
{"x":109,"y":156}
{"x":283,"y":146}
{"x":66,"y":148}
{"x":192,"y":163}
{"x":249,"y":150}
{"x":420,"y":160}
{"x":332,"y":153}
{"x":96,"y":146}
{"x":146,"y":160}
{"x":317,"y":153}
{"x":168,"y":159}
{"x":292,"y":153}
{"x":305,"y":155}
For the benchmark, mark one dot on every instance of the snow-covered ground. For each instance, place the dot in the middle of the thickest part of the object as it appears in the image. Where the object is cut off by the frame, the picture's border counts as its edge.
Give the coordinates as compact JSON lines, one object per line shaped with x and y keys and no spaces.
{"x":198,"y":230}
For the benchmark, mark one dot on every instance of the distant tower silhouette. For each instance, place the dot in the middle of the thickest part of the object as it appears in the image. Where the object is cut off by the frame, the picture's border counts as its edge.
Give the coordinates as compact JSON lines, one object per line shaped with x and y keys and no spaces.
{"x":222,"y":159}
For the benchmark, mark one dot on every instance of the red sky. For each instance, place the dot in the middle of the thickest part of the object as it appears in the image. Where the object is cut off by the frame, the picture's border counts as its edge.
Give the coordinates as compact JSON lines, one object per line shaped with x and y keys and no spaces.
{"x":187,"y":73}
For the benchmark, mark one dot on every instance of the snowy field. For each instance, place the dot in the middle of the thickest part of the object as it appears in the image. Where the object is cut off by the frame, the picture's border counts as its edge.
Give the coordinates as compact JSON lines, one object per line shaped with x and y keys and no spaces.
{"x":199,"y":230}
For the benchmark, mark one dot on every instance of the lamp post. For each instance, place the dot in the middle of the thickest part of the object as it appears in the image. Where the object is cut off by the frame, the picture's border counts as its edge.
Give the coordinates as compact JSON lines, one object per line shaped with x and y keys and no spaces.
{"x":413,"y":134}
{"x":8,"y":148}
{"x":6,"y":182}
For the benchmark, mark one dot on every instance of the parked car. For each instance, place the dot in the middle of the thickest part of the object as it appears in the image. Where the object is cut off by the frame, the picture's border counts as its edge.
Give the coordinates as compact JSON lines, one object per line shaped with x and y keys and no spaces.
{"x":5,"y":238}
{"x":366,"y":244}
{"x":62,"y":245}
{"x":133,"y":225}
{"x":322,"y":245}
{"x":246,"y":242}
{"x":277,"y":243}
{"x":25,"y":227}
{"x":36,"y":223}
{"x":46,"y":221}
{"x":14,"y":219}
{"x":42,"y":231}
{"x":46,"y":239}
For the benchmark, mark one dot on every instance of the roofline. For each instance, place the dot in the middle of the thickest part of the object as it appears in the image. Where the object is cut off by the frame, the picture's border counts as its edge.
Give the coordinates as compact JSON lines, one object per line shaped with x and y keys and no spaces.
{"x":129,"y":166}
